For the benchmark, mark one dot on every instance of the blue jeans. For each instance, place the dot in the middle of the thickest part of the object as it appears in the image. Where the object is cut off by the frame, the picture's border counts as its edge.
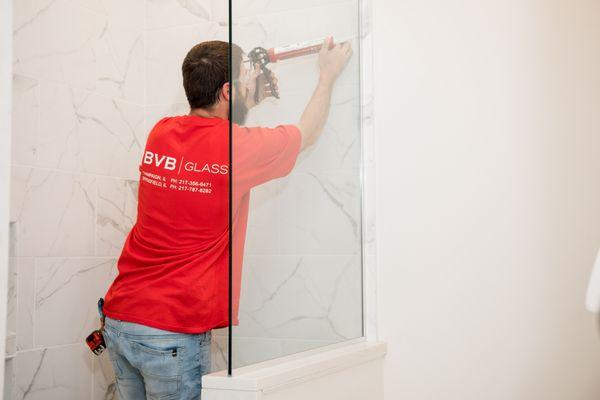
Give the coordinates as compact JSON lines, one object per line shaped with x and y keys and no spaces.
{"x":153,"y":364}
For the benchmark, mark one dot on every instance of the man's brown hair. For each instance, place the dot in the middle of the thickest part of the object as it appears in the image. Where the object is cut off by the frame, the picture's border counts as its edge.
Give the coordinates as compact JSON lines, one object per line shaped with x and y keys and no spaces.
{"x":205,"y":71}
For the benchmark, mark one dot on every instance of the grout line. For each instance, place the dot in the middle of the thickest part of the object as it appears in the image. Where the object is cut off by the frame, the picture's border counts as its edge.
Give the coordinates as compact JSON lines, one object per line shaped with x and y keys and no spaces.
{"x":302,"y":255}
{"x":190,"y":25}
{"x":68,"y":172}
{"x":107,"y":17}
{"x":33,"y":306}
{"x":54,"y":346}
{"x":106,"y":258}
{"x":31,"y":301}
{"x":97,"y":196}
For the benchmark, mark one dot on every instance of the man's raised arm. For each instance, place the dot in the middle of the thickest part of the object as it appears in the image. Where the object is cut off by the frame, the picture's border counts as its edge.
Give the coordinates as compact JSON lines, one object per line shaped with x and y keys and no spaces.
{"x":331,"y":63}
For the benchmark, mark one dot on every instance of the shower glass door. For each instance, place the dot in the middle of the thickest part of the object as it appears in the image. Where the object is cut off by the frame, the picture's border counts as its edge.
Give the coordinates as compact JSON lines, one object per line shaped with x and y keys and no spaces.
{"x":297,"y":264}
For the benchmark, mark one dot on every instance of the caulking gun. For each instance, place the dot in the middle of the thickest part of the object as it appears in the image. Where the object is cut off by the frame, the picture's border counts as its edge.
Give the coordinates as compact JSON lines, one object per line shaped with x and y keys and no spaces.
{"x":262,"y":57}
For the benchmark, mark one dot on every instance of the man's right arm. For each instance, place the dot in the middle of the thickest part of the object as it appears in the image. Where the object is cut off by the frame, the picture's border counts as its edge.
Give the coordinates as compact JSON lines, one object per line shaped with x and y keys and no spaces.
{"x":331,"y":63}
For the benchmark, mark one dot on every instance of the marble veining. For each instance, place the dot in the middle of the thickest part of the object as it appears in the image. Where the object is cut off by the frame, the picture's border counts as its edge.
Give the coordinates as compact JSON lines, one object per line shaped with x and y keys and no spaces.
{"x":91,"y":47}
{"x":169,"y":13}
{"x":218,"y":352}
{"x":11,"y":307}
{"x":104,"y":387}
{"x":59,"y":281}
{"x":90,"y":133}
{"x":128,"y":13}
{"x":66,"y":229}
{"x":38,"y":367}
{"x":25,"y":302}
{"x":299,"y":297}
{"x":10,"y":379}
{"x":54,"y":373}
{"x":67,"y":55}
{"x":25,"y":18}
{"x":25,"y":120}
{"x":333,"y":192}
{"x":120,"y":64}
{"x":194,"y":8}
{"x":320,"y":214}
{"x":117,"y":210}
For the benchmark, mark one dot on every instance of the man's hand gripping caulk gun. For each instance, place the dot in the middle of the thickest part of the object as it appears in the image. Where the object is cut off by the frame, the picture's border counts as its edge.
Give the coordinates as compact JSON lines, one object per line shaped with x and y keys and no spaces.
{"x":265,"y":84}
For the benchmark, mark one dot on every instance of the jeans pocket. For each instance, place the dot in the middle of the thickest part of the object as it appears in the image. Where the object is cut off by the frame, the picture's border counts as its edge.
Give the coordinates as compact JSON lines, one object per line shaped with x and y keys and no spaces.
{"x":111,"y":351}
{"x":162,"y":388}
{"x":159,"y":363}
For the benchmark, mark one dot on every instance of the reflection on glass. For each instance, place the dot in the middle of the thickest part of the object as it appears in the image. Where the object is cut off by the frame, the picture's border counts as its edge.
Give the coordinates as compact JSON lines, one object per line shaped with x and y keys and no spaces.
{"x":297,"y":279}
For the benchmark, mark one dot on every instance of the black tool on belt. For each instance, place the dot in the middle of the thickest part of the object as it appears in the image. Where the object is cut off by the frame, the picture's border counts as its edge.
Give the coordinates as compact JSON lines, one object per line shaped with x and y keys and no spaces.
{"x":95,"y":340}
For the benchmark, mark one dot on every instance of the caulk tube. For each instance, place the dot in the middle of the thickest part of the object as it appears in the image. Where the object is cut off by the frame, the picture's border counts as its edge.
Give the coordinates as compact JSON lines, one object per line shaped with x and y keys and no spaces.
{"x":297,"y":49}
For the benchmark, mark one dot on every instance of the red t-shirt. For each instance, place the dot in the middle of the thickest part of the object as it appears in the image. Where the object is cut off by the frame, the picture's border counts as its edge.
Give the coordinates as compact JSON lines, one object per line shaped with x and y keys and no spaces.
{"x":174,"y":267}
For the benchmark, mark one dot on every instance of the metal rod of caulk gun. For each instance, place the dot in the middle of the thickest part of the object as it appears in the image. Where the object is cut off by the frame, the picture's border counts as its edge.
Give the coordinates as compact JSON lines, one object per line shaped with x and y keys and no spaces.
{"x":299,"y":49}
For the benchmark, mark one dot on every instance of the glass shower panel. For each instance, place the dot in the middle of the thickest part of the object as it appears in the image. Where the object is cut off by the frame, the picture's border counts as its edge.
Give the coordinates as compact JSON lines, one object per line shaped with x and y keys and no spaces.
{"x":297,"y":264}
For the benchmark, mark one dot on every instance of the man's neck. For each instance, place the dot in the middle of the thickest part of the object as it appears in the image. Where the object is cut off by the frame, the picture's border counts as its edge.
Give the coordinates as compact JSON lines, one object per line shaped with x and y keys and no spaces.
{"x":217,"y":112}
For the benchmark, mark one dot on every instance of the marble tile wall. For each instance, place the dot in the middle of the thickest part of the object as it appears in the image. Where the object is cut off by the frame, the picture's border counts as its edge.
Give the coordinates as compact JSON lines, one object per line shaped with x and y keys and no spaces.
{"x":78,"y":133}
{"x":91,"y":78}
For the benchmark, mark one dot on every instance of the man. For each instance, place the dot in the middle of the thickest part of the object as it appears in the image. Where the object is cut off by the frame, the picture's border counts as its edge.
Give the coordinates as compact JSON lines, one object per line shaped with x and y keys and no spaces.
{"x":172,"y":287}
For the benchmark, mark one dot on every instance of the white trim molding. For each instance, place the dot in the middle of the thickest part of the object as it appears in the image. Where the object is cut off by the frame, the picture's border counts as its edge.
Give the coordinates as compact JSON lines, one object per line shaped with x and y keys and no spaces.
{"x":348,"y":370}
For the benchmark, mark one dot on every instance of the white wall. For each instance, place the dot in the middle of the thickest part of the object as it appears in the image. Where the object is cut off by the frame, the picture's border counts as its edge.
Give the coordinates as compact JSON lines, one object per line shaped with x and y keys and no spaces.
{"x":488,"y":197}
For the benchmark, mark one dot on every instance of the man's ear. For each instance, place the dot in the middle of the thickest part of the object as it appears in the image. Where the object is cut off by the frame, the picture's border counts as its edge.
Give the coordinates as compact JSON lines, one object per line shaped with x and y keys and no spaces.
{"x":225,"y":91}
